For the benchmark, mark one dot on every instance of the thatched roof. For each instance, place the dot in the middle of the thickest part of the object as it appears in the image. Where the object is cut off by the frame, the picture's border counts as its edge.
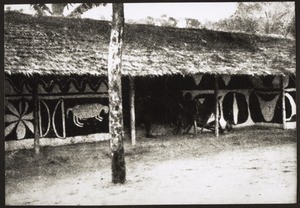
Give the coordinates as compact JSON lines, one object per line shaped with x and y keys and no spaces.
{"x":62,"y":46}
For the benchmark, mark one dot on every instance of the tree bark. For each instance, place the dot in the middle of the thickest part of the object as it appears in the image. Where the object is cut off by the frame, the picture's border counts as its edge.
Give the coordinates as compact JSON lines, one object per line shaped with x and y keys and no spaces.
{"x":115,"y":94}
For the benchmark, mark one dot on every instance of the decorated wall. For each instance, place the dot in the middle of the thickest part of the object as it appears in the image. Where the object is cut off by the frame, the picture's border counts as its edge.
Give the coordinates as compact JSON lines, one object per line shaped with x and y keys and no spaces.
{"x":67,"y":106}
{"x":248,"y":100}
{"x":78,"y":105}
{"x":243,"y":100}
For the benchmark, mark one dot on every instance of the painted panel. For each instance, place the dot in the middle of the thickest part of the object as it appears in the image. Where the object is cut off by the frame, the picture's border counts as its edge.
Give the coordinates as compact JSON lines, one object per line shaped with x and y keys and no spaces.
{"x":51,"y":118}
{"x":290,"y":106}
{"x":266,"y":107}
{"x":235,"y":107}
{"x":72,"y":85}
{"x":246,"y":107}
{"x":18,"y":119}
{"x":67,"y":107}
{"x":86,"y":116}
{"x":16,"y":86}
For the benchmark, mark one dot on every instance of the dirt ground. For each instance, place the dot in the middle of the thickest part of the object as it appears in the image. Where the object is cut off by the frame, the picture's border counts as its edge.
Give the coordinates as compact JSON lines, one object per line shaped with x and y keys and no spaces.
{"x":253,"y":165}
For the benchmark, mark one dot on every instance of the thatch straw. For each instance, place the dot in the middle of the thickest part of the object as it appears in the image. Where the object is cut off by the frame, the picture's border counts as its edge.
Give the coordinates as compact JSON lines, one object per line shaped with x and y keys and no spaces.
{"x":62,"y":46}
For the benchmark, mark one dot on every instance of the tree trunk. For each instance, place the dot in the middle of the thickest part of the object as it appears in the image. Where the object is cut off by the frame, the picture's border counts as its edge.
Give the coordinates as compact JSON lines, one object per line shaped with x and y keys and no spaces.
{"x":267,"y":26}
{"x":115,"y":94}
{"x":58,"y":9}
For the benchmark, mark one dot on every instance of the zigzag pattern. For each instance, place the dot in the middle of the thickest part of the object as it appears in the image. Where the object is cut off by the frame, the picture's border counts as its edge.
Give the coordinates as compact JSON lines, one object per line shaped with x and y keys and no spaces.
{"x":21,"y":86}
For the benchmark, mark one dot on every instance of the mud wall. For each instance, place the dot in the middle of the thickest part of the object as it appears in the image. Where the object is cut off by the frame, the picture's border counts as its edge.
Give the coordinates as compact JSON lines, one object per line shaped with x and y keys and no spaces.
{"x":68,"y":107}
{"x":77,"y":105}
{"x":247,"y":100}
{"x":244,"y":100}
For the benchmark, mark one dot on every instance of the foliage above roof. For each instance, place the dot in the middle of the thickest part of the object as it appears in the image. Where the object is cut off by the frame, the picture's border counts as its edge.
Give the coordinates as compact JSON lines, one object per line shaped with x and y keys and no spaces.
{"x":65,"y":46}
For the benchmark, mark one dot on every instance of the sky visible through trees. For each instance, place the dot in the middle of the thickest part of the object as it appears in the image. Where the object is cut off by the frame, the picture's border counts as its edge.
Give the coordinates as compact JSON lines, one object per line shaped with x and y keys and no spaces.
{"x":135,"y":11}
{"x":253,"y":17}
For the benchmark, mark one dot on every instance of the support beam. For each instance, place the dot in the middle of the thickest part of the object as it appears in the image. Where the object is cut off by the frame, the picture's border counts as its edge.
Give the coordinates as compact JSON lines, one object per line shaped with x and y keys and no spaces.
{"x":283,"y":103}
{"x":132,"y":110}
{"x":166,"y":99}
{"x":36,"y":116}
{"x":216,"y":106}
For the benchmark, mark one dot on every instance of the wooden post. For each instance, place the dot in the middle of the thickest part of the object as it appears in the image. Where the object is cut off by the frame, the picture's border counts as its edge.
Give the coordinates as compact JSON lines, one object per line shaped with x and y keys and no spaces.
{"x":217,"y":106}
{"x":283,"y":104}
{"x":115,"y":94}
{"x":36,"y":116}
{"x":132,"y":110}
{"x":166,"y":99}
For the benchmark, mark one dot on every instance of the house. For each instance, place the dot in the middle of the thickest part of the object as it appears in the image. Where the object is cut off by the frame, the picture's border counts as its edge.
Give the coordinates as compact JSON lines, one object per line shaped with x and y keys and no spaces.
{"x":56,"y":77}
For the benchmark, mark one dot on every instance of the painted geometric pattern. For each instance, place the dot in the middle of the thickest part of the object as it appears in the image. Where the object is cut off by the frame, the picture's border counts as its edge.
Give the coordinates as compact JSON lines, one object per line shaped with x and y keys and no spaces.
{"x":53,"y":122}
{"x":88,"y":117}
{"x":58,"y":119}
{"x":230,"y":82}
{"x":246,"y":107}
{"x":20,"y":86}
{"x":18,"y":119}
{"x":48,"y":121}
{"x":73,"y":85}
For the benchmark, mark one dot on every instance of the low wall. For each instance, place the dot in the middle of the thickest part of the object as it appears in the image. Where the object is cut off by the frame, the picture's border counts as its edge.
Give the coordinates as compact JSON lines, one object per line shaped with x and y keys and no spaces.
{"x":28,"y":143}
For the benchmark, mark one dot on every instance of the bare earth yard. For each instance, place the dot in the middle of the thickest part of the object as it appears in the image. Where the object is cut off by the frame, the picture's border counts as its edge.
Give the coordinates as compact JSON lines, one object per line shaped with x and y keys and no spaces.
{"x":252,"y":165}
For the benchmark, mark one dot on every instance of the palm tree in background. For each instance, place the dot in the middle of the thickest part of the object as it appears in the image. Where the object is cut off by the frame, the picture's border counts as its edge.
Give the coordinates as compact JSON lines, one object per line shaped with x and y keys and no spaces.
{"x":58,"y":9}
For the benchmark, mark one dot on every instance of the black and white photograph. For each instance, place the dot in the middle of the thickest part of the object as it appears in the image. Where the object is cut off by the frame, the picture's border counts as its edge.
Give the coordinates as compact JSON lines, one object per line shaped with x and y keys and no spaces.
{"x":150,"y":103}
